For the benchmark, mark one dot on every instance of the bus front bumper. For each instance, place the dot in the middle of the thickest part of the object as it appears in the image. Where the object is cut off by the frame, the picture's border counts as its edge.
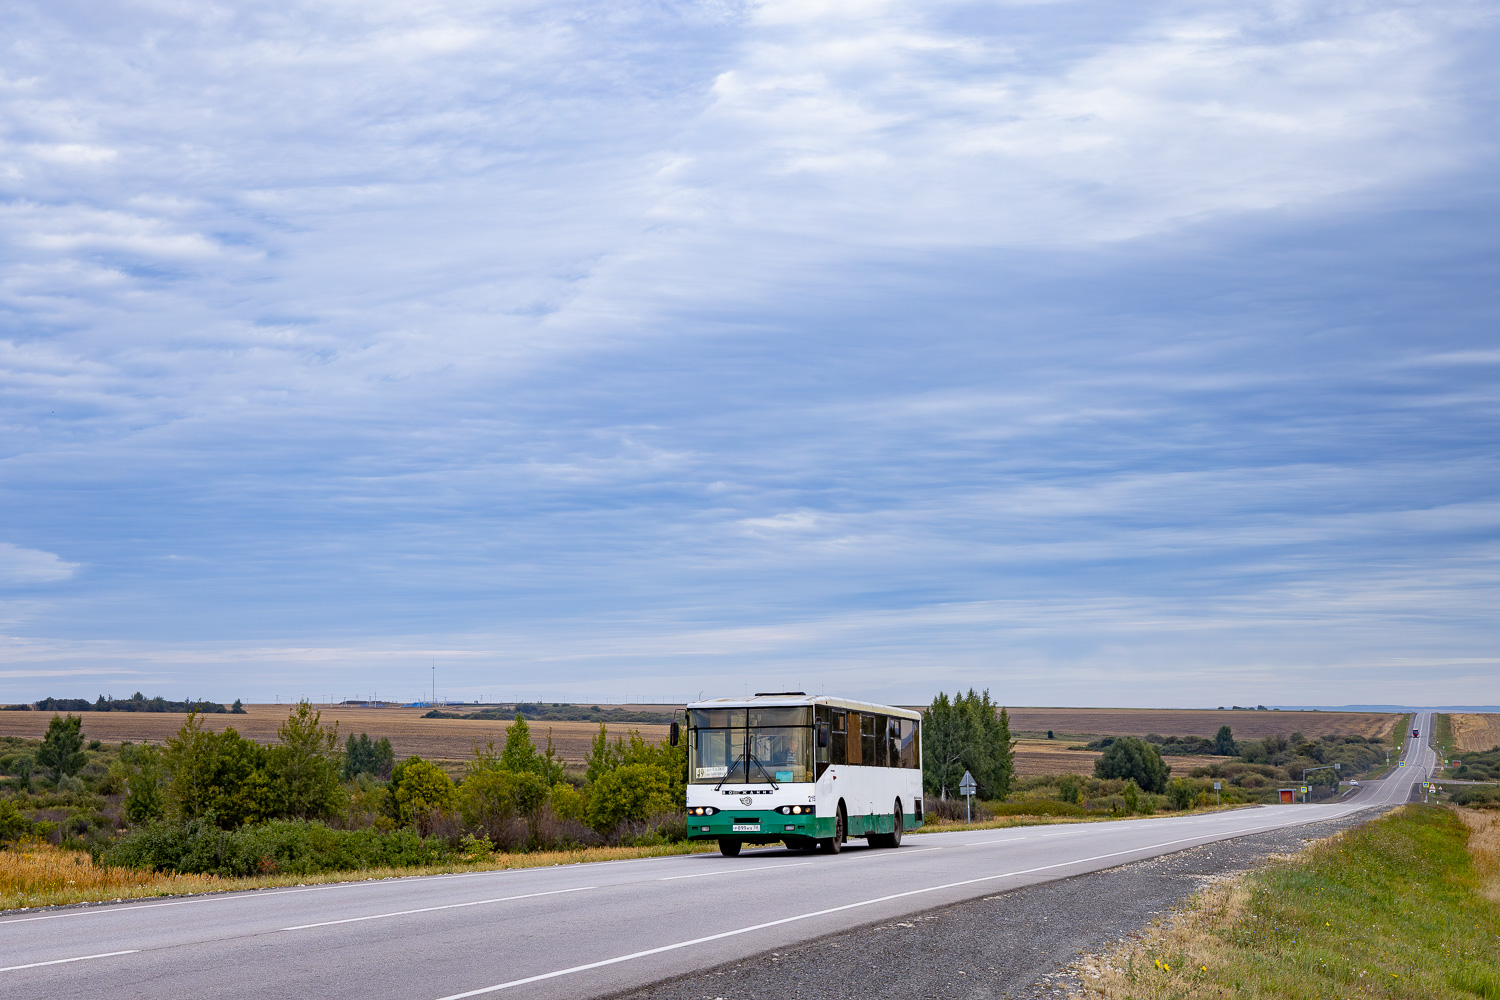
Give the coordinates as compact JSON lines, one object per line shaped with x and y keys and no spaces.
{"x":752,"y":826}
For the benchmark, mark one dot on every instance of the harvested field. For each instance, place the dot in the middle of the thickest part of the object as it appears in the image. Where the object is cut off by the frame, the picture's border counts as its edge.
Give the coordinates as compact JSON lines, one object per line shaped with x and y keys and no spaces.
{"x":1473,"y":733}
{"x":1050,"y":757}
{"x":1198,"y":722}
{"x":453,"y":739}
{"x":436,"y":739}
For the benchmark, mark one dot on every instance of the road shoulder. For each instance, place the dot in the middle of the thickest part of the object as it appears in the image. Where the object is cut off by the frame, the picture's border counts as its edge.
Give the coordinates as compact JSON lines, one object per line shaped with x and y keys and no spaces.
{"x":1016,"y":945}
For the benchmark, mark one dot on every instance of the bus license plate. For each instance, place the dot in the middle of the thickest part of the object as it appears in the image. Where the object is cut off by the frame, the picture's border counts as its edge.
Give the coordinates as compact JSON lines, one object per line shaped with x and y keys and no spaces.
{"x":746,"y":828}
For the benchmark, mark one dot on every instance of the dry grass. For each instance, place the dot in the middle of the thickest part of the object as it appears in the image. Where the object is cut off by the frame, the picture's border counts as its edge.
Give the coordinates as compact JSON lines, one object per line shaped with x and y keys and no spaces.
{"x":1484,"y":846}
{"x":42,"y":874}
{"x":1473,"y":733}
{"x":45,"y":875}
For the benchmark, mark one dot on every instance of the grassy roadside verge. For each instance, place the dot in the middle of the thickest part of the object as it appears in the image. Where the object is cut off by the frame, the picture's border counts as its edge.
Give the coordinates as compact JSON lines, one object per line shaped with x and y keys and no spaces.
{"x":41,"y":874}
{"x":1407,"y":906}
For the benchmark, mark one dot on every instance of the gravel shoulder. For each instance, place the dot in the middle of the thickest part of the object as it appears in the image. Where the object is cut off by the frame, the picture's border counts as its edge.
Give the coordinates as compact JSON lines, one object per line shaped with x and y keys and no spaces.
{"x":1015,"y":945}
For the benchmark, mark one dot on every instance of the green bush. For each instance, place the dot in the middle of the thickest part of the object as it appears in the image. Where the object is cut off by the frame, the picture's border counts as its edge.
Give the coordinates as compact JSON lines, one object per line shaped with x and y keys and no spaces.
{"x":13,"y":825}
{"x":1129,"y":757}
{"x":1477,"y":797}
{"x":293,"y":847}
{"x":631,"y":792}
{"x":417,"y":789}
{"x":61,"y":751}
{"x":490,"y":801}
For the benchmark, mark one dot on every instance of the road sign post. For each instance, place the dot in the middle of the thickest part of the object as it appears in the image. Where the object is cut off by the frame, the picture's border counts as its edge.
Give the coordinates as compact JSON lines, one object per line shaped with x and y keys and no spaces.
{"x":1216,"y":793}
{"x":968,"y":788}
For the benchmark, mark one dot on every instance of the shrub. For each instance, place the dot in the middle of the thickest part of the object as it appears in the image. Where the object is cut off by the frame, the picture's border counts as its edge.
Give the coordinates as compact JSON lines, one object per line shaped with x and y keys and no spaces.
{"x":13,"y":825}
{"x":61,"y":751}
{"x":1476,"y":797}
{"x":417,"y":788}
{"x":1068,"y":790}
{"x":143,"y":798}
{"x":567,"y":802}
{"x":630,"y":792}
{"x":1132,"y":795}
{"x":1181,"y":793}
{"x":492,"y":802}
{"x":294,"y":847}
{"x":1129,"y":757}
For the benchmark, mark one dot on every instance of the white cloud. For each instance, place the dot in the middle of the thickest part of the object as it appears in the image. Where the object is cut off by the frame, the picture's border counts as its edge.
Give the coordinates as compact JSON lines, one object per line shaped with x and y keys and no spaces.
{"x":885,"y":123}
{"x":27,"y":567}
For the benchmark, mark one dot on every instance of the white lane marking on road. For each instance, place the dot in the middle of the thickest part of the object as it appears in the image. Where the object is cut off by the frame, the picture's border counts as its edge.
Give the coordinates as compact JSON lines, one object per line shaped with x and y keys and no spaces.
{"x":793,"y":919}
{"x":65,"y":961}
{"x":430,"y":909}
{"x":734,"y":871}
{"x":230,"y":897}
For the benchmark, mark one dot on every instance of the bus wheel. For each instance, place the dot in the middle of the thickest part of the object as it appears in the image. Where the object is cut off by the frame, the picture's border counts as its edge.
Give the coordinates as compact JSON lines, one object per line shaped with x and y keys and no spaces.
{"x":835,"y":843}
{"x":729,"y":848}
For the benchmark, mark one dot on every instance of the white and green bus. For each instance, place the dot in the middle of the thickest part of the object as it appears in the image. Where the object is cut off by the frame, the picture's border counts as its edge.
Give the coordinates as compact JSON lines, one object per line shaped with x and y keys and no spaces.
{"x":810,"y":772}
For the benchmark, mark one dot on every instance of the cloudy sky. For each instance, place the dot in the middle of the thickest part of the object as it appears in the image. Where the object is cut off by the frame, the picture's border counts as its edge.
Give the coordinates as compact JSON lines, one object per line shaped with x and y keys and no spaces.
{"x":1096,"y":353}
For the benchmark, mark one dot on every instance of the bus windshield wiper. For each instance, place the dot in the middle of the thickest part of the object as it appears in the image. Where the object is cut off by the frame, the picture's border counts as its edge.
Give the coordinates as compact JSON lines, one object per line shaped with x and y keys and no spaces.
{"x":731,"y":771}
{"x":759,"y":766}
{"x":774,"y":785}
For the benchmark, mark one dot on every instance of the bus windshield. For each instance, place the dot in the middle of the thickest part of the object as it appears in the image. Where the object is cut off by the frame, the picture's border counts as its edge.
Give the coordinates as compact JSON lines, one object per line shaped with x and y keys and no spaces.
{"x":756,"y":745}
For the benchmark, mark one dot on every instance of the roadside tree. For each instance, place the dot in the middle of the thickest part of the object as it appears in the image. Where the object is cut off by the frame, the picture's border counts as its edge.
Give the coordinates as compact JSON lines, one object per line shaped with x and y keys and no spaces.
{"x":1224,"y":742}
{"x":1130,"y":757}
{"x":61,"y":751}
{"x":305,"y":766}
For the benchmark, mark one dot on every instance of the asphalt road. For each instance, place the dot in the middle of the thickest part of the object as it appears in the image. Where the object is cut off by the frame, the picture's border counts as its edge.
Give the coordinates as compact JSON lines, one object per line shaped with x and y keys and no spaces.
{"x":578,"y":930}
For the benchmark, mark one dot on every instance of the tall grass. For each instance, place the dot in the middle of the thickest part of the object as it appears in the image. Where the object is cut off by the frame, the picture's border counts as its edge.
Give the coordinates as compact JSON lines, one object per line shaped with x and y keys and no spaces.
{"x":38,"y":873}
{"x":1403,"y":907}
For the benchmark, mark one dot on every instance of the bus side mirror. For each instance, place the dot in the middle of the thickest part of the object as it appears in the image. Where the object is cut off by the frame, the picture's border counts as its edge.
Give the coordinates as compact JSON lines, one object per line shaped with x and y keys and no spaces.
{"x":675,"y":733}
{"x":824,"y":737}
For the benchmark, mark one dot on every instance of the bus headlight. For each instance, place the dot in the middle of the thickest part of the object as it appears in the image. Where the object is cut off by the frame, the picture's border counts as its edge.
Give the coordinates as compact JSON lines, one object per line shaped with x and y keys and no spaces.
{"x":794,"y":810}
{"x":702,"y":811}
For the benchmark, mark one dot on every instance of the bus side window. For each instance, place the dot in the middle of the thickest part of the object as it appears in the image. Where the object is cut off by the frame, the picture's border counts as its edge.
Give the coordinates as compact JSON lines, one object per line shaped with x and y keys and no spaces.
{"x":867,"y":738}
{"x":821,"y":722}
{"x":893,"y":737}
{"x":840,"y":737}
{"x":882,"y":736}
{"x":906,"y":738}
{"x":856,"y":745}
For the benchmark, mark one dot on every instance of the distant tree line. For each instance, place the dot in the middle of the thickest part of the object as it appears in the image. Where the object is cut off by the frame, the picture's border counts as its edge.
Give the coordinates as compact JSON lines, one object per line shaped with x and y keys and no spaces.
{"x":135,"y":703}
